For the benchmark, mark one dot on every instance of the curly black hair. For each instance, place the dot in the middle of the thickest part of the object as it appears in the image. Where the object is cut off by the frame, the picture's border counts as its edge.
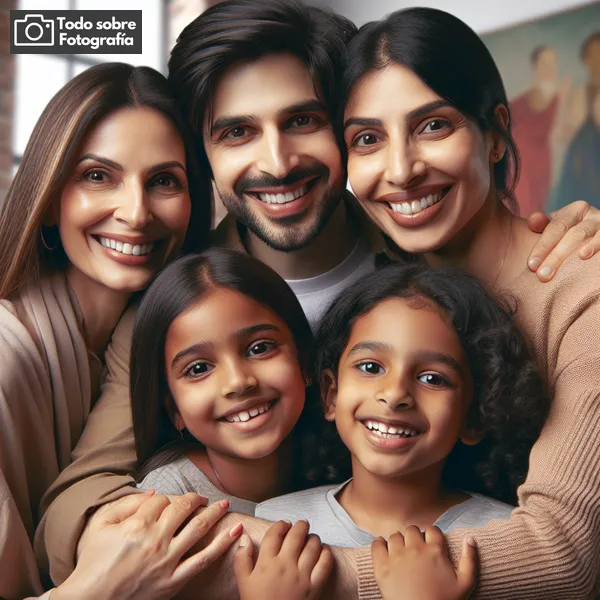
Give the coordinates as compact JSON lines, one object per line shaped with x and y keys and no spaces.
{"x":510,"y":401}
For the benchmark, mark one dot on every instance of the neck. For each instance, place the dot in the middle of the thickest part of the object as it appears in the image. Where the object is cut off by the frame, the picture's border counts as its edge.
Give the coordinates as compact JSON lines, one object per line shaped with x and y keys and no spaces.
{"x":483,"y":247}
{"x":382,"y":505}
{"x":255,"y":480}
{"x":320,"y":256}
{"x":100,"y":306}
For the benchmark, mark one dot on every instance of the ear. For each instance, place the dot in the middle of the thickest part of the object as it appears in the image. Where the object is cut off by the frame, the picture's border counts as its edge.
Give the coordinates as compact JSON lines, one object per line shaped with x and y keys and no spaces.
{"x":471,"y":437}
{"x":498,"y":145}
{"x":173,"y":413}
{"x":328,"y":394}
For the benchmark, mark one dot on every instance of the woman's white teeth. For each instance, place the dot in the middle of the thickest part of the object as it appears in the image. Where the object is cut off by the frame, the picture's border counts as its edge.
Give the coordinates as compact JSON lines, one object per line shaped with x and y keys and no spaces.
{"x":282,"y":198}
{"x":385,"y":429}
{"x":416,"y":206}
{"x":124,"y":248}
{"x":246,"y":415}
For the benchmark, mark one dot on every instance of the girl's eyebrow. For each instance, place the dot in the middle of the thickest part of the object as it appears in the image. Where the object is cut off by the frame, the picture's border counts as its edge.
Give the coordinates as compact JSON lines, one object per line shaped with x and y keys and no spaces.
{"x":206,"y":347}
{"x":370,"y":347}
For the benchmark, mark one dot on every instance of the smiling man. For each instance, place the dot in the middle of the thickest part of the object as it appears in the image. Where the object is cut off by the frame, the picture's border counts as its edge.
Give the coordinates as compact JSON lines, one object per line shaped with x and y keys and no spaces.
{"x":258,"y":82}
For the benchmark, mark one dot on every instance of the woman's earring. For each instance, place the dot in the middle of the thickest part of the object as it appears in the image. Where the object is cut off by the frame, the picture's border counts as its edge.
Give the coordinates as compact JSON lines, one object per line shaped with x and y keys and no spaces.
{"x":306,"y":380}
{"x":178,"y":427}
{"x":49,"y":248}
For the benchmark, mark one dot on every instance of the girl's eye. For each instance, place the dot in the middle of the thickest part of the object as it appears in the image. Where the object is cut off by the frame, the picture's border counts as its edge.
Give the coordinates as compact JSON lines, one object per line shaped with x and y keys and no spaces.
{"x":370,"y":368}
{"x":436,"y":125}
{"x":198,"y":369}
{"x":260,"y":348}
{"x":365,"y":139}
{"x":434,"y":380}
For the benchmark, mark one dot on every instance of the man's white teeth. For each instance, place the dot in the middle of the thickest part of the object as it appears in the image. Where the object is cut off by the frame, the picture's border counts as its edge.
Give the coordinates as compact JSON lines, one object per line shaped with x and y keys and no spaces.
{"x":416,"y":206}
{"x":124,"y":248}
{"x":387,"y":430}
{"x":246,"y":415}
{"x":282,"y":198}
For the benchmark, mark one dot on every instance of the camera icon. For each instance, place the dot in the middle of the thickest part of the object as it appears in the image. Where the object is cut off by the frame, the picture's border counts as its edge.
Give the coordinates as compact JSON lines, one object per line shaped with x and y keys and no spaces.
{"x":34,"y":30}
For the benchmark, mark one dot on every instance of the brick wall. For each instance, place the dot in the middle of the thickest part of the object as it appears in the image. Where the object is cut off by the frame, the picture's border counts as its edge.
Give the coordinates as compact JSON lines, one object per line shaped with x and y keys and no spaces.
{"x":6,"y":97}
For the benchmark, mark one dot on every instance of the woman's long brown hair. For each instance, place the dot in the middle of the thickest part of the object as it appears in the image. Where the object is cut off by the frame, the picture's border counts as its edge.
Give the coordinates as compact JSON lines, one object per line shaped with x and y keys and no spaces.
{"x":51,"y":154}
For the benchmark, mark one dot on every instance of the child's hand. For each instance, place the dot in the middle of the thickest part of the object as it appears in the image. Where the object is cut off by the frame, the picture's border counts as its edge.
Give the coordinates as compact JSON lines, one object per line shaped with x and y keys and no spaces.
{"x":289,"y":565}
{"x":417,"y":567}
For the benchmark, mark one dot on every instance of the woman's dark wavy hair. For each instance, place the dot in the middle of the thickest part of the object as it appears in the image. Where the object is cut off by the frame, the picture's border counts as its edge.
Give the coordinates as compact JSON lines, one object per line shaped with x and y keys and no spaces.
{"x":452,"y":60}
{"x":179,"y":286}
{"x":239,"y":31}
{"x":509,"y":403}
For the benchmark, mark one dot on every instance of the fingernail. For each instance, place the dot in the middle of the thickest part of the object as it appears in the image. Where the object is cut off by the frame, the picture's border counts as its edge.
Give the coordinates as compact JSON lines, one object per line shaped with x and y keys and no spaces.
{"x":471,"y":541}
{"x":287,"y":521}
{"x":236,"y":530}
{"x":224,"y":503}
{"x":587,"y":253}
{"x":546,"y":271}
{"x":534,"y":263}
{"x":244,"y":541}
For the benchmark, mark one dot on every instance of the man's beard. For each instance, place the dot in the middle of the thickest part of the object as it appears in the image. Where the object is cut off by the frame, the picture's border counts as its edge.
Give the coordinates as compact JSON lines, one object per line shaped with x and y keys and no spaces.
{"x":287,"y":234}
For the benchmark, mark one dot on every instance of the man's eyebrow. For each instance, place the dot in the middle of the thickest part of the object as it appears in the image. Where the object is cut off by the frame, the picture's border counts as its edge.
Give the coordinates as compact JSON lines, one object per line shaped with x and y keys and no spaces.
{"x":311,"y":105}
{"x":413,"y":114}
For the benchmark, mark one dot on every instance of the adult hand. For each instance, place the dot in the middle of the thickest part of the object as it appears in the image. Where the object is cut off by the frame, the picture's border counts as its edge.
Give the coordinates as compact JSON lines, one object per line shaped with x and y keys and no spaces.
{"x":575,"y":227}
{"x":416,"y":566}
{"x":137,"y":548}
{"x":289,"y":562}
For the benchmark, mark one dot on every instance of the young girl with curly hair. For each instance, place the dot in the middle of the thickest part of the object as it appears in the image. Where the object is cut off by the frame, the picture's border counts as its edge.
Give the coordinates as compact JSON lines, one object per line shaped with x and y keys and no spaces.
{"x":433,"y":392}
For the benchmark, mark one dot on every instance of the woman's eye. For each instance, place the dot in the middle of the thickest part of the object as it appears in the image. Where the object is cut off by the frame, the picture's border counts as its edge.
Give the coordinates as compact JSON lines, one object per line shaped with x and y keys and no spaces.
{"x":165,"y":180}
{"x":95,"y":176}
{"x":260,"y":348}
{"x":366,"y":139}
{"x":370,"y":368}
{"x":198,"y":369}
{"x":433,"y":380}
{"x":435,"y":125}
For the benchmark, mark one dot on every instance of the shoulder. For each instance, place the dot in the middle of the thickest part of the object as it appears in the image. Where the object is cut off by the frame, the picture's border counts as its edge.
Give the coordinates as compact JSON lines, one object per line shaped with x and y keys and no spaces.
{"x":474,"y":512}
{"x":297,"y":505}
{"x":169,"y":476}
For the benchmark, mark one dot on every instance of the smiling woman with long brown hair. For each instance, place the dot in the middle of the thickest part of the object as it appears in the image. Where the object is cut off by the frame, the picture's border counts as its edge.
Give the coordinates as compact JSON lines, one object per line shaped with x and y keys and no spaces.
{"x":101,"y":201}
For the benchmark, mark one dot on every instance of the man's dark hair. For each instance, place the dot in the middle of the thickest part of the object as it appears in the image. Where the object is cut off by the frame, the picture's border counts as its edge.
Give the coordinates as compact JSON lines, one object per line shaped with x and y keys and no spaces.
{"x":239,"y":31}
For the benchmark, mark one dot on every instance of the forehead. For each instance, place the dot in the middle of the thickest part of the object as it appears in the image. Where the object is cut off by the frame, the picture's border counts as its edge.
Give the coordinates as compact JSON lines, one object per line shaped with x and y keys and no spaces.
{"x":408,"y":326}
{"x":217,"y":316}
{"x":143,"y":132}
{"x":395,"y":89}
{"x":263,"y":87}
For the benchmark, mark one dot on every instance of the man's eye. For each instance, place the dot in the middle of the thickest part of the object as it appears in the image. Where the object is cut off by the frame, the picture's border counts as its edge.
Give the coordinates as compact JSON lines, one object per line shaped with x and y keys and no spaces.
{"x":303,"y":121}
{"x":236,"y":132}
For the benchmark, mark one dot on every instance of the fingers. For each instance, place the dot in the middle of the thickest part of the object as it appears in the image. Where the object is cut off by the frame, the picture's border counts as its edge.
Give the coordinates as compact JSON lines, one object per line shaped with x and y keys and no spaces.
{"x":413,"y":536}
{"x":310,"y":554}
{"x":468,"y":565}
{"x":558,"y":248}
{"x":590,"y":248}
{"x":273,"y":540}
{"x":243,"y":559}
{"x":178,"y":510}
{"x":537,"y":222}
{"x":295,"y":539}
{"x":198,"y":527}
{"x":379,"y":551}
{"x":151,"y":510}
{"x":322,"y":569}
{"x":196,"y":563}
{"x":121,"y":509}
{"x":434,"y":536}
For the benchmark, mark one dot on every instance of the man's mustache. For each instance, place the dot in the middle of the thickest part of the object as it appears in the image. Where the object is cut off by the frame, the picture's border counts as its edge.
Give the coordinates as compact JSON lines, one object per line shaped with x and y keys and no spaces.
{"x":268,"y":181}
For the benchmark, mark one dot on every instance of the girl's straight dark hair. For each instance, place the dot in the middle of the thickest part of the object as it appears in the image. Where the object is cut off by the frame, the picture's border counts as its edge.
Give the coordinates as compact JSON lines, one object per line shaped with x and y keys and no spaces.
{"x":509,"y":404}
{"x":452,"y":60}
{"x":177,"y":288}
